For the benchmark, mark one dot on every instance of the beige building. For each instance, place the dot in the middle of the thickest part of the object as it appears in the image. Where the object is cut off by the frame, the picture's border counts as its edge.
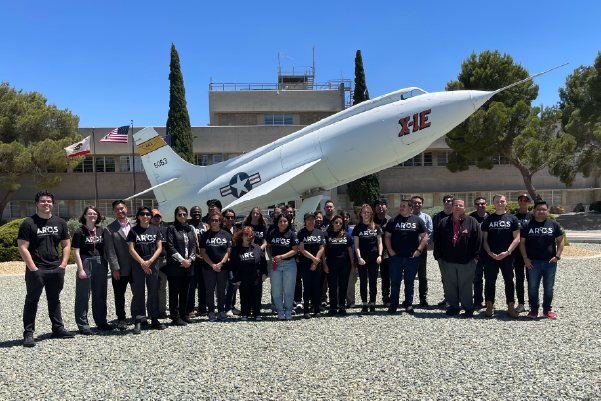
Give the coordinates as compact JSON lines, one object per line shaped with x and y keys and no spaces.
{"x":244,"y":117}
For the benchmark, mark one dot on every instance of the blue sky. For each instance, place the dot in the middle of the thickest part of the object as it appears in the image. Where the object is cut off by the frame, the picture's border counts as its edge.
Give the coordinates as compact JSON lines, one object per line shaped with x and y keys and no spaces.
{"x":108,"y":61}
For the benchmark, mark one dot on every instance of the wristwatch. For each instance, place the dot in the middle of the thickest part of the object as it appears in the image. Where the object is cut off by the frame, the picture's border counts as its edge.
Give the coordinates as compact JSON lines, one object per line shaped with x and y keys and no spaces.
{"x":557,"y":257}
{"x":508,"y":252}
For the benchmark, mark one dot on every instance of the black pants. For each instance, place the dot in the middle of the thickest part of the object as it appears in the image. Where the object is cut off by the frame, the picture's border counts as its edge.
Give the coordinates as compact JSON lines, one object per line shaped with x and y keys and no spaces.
{"x":52,"y":280}
{"x":368,"y":273}
{"x":422,"y":275}
{"x":312,"y":285}
{"x":385,"y":276}
{"x":95,"y":283}
{"x":491,"y":271}
{"x":298,"y":289}
{"x":140,"y":285}
{"x":250,"y":298}
{"x":119,"y":289}
{"x":214,"y":280}
{"x":178,"y":295}
{"x":520,"y":268}
{"x":338,"y":277}
{"x":197,"y":285}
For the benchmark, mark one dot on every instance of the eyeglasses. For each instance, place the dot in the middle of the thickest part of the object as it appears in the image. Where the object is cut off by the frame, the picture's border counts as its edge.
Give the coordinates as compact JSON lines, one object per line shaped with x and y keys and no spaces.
{"x":230,"y":217}
{"x":449,"y":201}
{"x":182,"y":214}
{"x":214,"y":220}
{"x":481,"y":204}
{"x":145,"y":214}
{"x":524,"y":200}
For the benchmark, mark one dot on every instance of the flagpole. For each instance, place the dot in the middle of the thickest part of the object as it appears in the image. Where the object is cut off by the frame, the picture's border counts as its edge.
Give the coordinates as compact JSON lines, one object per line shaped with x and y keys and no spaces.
{"x":94,"y":169}
{"x":133,"y":164}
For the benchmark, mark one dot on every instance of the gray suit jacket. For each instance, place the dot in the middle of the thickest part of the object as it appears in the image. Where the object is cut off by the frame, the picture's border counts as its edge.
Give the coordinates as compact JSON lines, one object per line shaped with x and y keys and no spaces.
{"x":117,"y":248}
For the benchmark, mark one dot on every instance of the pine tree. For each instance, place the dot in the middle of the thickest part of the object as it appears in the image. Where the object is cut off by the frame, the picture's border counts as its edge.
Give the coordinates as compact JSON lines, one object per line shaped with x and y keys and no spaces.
{"x":178,"y":120}
{"x":365,"y":189}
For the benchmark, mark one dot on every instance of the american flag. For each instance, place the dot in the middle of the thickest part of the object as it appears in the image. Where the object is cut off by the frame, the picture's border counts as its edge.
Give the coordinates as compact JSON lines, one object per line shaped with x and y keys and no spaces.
{"x":118,"y":135}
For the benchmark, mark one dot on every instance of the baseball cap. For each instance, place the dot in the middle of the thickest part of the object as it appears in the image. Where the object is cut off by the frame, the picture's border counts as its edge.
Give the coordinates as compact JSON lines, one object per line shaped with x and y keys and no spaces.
{"x":309,"y":214}
{"x":155,"y":212}
{"x":524,"y":196}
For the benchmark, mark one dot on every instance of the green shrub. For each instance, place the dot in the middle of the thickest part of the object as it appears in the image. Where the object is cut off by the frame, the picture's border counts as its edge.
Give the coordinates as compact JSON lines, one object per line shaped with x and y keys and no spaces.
{"x":512,"y":207}
{"x":9,"y":254}
{"x":595,"y":207}
{"x":9,"y":233}
{"x":433,"y":210}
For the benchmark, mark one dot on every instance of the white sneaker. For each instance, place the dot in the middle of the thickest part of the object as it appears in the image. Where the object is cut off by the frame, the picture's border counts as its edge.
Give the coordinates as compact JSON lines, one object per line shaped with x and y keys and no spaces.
{"x":235,"y":311}
{"x":520,"y":308}
{"x":230,"y":313}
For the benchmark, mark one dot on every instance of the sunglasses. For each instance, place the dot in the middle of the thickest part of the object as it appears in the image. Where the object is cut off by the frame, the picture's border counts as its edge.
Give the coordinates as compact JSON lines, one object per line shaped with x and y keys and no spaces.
{"x":524,"y":200}
{"x":230,"y":217}
{"x":449,"y":201}
{"x":214,"y":220}
{"x":480,"y":204}
{"x":145,"y":214}
{"x":182,"y":214}
{"x":337,"y":223}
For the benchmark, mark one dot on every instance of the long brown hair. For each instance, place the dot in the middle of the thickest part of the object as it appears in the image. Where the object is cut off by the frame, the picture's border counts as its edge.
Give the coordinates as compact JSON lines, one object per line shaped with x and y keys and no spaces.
{"x":330,"y":229}
{"x":99,"y":217}
{"x":248,"y":220}
{"x":238,"y":237}
{"x":370,"y":223}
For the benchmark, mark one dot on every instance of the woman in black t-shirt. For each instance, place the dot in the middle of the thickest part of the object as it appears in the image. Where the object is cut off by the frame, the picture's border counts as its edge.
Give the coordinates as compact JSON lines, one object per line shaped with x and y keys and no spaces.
{"x":257,"y":222}
{"x":181,"y":253}
{"x":368,"y":247}
{"x":145,"y":245}
{"x":282,"y":246}
{"x":338,"y":263}
{"x":250,"y":271}
{"x":230,"y":294}
{"x":215,"y":246}
{"x":92,"y":268}
{"x":311,"y":245}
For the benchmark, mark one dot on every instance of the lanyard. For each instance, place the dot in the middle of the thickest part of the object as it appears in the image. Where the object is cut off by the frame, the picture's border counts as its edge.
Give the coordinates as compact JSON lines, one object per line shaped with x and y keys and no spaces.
{"x":94,"y":237}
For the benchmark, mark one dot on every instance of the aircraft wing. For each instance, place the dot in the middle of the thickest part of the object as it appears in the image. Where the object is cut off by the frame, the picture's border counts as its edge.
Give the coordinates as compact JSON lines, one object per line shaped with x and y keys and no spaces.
{"x":273,"y":191}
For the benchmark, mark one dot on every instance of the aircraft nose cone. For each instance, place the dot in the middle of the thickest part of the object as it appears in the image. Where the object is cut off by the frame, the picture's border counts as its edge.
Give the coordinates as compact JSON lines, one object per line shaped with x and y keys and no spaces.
{"x":479,"y":98}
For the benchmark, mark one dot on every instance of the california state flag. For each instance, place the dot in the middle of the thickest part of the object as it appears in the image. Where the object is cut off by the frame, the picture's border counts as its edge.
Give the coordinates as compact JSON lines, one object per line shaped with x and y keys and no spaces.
{"x":79,"y":148}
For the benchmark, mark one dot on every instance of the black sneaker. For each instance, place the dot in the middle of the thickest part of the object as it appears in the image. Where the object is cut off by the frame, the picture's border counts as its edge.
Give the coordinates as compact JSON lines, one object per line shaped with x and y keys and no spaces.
{"x":144,"y":322}
{"x":186,"y":319}
{"x":452,"y":312}
{"x":332,"y":312}
{"x":307,"y":316}
{"x":443,"y":303}
{"x":63,"y":333}
{"x":157,"y":325}
{"x":105,"y":327}
{"x":364,"y":310}
{"x":28,"y":341}
{"x":342,"y":312}
{"x":372,"y":309}
{"x":410,"y":310}
{"x":317,"y":314}
{"x":469,"y":313}
{"x":423,"y":302}
{"x":391,"y":311}
{"x":179,"y":322}
{"x":137,"y":328}
{"x":86,"y":332}
{"x":122,"y":325}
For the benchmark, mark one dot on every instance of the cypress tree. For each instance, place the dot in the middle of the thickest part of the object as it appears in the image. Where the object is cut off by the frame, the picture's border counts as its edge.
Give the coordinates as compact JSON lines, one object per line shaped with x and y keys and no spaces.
{"x":178,"y":120}
{"x":365,"y":189}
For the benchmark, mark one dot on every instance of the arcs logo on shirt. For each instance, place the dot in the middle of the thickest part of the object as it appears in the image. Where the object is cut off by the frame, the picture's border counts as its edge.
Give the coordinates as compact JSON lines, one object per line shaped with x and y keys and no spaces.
{"x":140,"y":238}
{"x":259,"y":234}
{"x":216,"y":241}
{"x":367,"y":233}
{"x":499,"y":224}
{"x":248,"y":255}
{"x":312,"y":239}
{"x":280,"y":241}
{"x":541,"y":230}
{"x":406,"y":226}
{"x":342,"y":240}
{"x":94,"y":239}
{"x":48,"y":230}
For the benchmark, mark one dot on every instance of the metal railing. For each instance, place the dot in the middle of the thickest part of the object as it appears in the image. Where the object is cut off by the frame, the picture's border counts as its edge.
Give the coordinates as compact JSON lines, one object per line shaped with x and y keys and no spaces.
{"x":332,"y":84}
{"x":296,"y":71}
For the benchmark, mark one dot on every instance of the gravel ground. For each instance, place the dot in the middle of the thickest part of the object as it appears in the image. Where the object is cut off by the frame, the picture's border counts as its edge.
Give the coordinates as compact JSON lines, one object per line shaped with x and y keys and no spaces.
{"x":425,"y":356}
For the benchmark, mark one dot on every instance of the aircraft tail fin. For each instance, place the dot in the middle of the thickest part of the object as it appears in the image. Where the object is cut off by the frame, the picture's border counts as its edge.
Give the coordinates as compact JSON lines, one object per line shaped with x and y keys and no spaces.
{"x":527,"y":79}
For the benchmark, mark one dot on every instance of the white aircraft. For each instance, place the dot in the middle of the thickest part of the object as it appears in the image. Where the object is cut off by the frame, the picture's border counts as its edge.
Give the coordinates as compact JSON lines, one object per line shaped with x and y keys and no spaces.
{"x":380,"y":133}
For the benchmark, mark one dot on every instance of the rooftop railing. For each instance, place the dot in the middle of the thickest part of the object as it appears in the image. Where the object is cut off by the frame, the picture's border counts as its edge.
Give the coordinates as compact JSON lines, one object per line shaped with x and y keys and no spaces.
{"x":331,"y":84}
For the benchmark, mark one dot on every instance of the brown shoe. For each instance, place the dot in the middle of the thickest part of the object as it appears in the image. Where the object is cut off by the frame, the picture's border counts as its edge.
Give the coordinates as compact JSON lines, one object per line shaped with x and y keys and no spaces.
{"x":511,"y":310}
{"x":490,"y":309}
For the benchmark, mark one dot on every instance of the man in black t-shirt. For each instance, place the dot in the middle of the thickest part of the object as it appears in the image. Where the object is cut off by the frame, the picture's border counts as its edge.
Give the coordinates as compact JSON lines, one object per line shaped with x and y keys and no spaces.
{"x":521,"y":272}
{"x":480,"y":214}
{"x":540,"y":255}
{"x":157,"y":221}
{"x":501,"y":236}
{"x":382,"y":218}
{"x":406,"y":239}
{"x":38,"y":239}
{"x":197,"y":283}
{"x":447,"y":203}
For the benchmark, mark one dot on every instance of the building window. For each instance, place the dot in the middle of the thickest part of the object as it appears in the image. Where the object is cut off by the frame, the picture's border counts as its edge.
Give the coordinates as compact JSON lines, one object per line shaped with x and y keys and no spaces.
{"x":61,"y":208}
{"x":278,"y":119}
{"x":138,"y":164}
{"x":427,"y":159}
{"x":87,"y":166}
{"x":105,"y":164}
{"x":30,"y":208}
{"x":443,"y":158}
{"x":217,"y":159}
{"x":201,"y":160}
{"x":12,"y":210}
{"x":80,"y":205}
{"x":124,"y":166}
{"x":423,"y":159}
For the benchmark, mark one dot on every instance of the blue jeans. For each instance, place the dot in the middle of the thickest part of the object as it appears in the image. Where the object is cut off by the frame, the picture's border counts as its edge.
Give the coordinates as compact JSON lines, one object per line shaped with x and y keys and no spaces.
{"x":398,"y":265}
{"x":283,"y":282}
{"x":230,"y":296}
{"x":479,"y":283}
{"x":546,"y":271}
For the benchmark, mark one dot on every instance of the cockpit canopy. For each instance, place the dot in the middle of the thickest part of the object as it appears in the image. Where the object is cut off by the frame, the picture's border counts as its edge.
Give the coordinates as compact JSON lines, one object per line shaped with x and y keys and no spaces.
{"x":412,"y":93}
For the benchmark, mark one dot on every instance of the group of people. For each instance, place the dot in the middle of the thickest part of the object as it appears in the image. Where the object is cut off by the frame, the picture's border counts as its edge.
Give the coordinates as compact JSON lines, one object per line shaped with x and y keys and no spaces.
{"x":208,"y":258}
